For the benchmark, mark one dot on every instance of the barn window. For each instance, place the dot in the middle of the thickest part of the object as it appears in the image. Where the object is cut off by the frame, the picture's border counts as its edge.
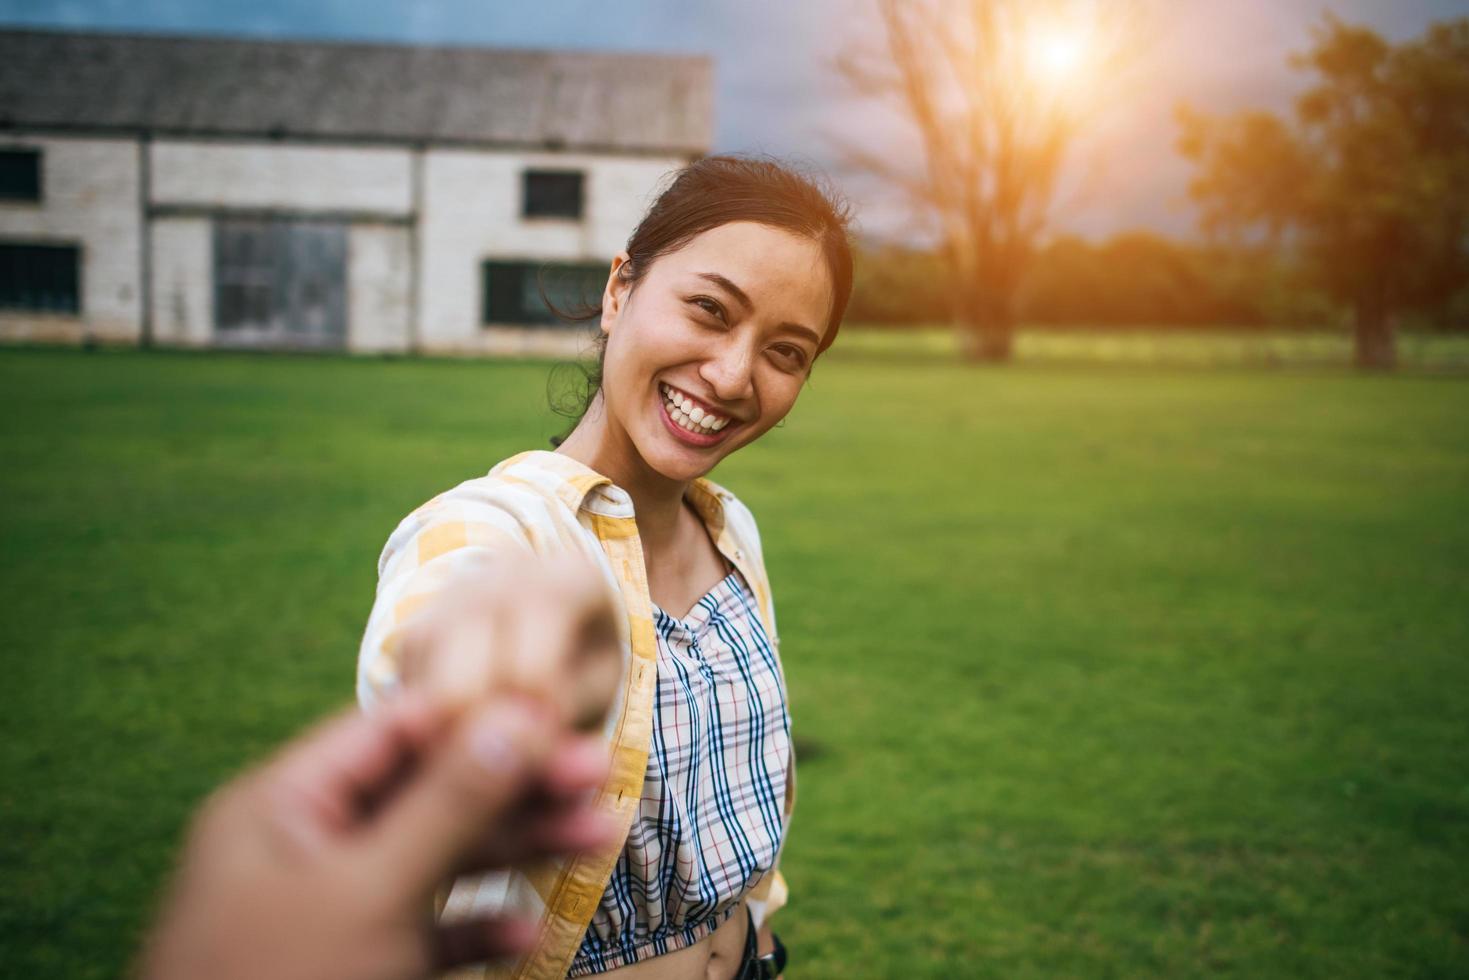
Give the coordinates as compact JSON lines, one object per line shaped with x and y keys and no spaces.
{"x":20,"y":175}
{"x":552,"y":194}
{"x":40,"y":278}
{"x":513,"y":290}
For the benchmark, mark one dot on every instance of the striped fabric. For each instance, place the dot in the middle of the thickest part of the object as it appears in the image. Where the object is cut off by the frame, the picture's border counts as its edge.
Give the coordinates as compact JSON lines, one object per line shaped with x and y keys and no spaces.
{"x":543,"y":503}
{"x":710,"y":823}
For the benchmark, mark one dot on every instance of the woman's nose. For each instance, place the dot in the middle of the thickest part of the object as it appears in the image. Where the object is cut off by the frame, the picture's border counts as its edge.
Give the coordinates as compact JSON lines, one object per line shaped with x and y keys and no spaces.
{"x":730,"y":373}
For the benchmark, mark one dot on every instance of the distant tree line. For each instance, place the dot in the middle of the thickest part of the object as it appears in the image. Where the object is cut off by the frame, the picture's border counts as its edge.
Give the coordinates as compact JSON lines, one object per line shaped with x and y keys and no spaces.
{"x":1134,"y":279}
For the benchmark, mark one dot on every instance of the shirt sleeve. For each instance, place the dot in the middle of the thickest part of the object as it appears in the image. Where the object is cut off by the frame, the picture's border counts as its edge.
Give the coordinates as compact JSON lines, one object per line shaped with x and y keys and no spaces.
{"x":450,"y":536}
{"x":767,"y":897}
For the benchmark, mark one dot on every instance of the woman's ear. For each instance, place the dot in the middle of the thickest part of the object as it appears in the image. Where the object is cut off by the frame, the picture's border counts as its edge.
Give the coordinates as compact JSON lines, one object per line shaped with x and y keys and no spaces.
{"x":614,"y":294}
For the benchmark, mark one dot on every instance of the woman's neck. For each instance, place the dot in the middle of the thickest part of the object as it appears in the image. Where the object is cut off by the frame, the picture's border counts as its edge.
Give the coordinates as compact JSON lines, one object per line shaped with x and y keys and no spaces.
{"x":657,"y":501}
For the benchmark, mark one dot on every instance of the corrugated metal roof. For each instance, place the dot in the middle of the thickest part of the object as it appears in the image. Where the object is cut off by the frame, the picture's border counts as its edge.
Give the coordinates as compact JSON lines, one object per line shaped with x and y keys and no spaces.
{"x":330,"y":90}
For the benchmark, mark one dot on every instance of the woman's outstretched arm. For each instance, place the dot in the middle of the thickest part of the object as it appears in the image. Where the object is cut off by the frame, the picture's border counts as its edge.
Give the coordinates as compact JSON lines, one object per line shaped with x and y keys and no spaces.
{"x":445,"y":541}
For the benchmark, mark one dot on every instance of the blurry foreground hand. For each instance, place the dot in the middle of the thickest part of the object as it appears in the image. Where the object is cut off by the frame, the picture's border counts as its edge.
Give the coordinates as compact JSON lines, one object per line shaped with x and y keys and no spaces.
{"x":322,"y":863}
{"x":543,"y":627}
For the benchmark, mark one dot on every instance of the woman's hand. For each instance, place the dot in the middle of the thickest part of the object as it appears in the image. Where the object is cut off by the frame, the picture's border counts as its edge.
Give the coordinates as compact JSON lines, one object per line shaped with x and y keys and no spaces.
{"x":539,"y":626}
{"x":322,"y":863}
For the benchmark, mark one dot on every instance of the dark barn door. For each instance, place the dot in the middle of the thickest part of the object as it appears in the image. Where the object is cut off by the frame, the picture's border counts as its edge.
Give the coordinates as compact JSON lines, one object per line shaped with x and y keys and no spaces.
{"x":280,"y":283}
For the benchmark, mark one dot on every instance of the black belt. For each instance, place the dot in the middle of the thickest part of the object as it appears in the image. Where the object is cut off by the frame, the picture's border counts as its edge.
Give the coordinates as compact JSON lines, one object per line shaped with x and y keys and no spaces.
{"x":753,"y":966}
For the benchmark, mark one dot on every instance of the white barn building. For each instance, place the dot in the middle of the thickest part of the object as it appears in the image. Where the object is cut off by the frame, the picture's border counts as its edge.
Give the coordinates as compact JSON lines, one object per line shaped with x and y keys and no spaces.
{"x":372,"y":198}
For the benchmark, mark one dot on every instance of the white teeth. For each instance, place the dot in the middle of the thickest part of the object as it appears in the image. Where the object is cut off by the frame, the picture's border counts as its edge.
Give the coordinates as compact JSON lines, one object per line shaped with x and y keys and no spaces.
{"x":689,"y":415}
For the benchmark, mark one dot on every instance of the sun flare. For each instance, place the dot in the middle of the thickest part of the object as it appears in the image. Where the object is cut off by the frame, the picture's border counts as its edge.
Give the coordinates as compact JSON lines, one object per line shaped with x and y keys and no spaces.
{"x":1056,"y":54}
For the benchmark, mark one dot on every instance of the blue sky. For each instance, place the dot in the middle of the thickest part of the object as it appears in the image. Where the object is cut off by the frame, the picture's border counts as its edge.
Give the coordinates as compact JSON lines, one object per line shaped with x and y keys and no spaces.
{"x":776,"y":91}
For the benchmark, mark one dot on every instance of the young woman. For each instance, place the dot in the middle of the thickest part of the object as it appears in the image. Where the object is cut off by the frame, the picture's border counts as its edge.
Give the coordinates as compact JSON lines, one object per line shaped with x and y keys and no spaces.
{"x":710,"y":323}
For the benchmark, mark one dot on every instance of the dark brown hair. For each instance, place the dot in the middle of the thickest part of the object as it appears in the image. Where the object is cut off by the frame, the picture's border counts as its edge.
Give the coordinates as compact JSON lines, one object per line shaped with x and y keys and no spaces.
{"x":714,"y":191}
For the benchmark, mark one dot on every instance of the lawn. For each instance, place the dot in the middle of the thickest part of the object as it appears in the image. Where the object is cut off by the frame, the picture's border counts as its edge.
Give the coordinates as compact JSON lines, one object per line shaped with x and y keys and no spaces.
{"x":1099,"y":671}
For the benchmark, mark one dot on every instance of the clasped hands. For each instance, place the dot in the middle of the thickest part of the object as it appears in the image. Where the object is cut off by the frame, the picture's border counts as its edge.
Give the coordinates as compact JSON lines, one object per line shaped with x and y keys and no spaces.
{"x":323,"y":861}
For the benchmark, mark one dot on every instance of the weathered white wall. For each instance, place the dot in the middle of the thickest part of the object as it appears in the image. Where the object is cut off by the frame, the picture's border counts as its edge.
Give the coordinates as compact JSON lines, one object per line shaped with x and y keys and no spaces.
{"x":183,"y":281}
{"x":281,"y":176}
{"x":89,"y":197}
{"x":471,"y":212}
{"x":378,"y":288}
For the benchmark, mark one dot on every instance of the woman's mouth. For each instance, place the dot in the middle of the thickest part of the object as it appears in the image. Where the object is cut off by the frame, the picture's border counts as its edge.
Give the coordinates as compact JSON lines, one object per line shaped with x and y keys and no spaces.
{"x":689,"y":422}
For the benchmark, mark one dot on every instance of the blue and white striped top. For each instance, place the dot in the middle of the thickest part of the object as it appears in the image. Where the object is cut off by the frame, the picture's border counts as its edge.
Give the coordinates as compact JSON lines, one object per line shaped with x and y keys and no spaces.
{"x":710,"y":820}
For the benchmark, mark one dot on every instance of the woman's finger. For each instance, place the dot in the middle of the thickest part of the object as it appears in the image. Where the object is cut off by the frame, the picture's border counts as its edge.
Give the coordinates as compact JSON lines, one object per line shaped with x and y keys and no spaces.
{"x":564,"y":641}
{"x":557,"y":598}
{"x":545,"y":626}
{"x":594,"y":675}
{"x":465,"y":663}
{"x":456,"y":944}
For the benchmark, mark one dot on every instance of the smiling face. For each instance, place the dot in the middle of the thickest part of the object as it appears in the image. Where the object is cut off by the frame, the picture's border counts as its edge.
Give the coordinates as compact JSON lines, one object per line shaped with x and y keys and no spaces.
{"x":728,"y":326}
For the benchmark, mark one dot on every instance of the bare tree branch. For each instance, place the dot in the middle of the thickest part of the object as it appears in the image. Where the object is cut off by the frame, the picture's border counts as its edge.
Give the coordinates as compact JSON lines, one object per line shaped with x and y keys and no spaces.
{"x":984,"y":86}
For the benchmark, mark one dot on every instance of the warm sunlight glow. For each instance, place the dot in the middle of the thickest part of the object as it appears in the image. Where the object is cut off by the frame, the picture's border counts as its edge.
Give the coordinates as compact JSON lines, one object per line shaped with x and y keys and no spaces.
{"x":1056,"y":54}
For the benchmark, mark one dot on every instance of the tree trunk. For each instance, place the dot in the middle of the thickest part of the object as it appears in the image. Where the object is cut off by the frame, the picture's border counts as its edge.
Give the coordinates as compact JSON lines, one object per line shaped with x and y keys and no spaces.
{"x":983,"y":320}
{"x":1374,"y":336}
{"x":986,"y":342}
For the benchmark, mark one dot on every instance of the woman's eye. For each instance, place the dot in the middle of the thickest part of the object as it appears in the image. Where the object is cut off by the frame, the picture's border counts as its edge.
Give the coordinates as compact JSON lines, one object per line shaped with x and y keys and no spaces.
{"x":709,"y":306}
{"x":793,"y":355}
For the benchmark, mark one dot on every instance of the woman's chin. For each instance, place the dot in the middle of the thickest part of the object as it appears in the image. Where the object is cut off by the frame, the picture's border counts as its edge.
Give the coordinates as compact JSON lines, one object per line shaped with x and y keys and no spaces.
{"x":680,"y":463}
{"x":681,"y":471}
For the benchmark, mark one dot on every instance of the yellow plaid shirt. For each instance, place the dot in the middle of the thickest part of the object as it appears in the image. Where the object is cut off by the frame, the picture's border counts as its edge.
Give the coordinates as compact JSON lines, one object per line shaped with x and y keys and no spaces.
{"x":540,"y":502}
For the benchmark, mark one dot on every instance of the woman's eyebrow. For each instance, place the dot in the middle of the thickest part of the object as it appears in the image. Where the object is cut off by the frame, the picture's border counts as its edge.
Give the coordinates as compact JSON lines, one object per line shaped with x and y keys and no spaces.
{"x":724,"y":283}
{"x":728,"y":287}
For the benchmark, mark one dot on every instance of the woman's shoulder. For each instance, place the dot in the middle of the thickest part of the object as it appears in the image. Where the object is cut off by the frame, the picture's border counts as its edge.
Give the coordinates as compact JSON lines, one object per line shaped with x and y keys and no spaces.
{"x":737,"y":516}
{"x":728,"y":500}
{"x":533,"y":480}
{"x":522,"y":501}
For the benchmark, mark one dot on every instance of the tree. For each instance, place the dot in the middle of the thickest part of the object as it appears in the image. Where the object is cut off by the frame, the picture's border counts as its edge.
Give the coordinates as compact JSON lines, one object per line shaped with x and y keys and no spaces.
{"x":995,"y":92}
{"x":1370,"y":178}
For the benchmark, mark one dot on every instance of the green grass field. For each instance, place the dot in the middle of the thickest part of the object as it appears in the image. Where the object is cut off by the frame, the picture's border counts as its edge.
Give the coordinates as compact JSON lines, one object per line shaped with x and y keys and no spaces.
{"x":1097,"y":672}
